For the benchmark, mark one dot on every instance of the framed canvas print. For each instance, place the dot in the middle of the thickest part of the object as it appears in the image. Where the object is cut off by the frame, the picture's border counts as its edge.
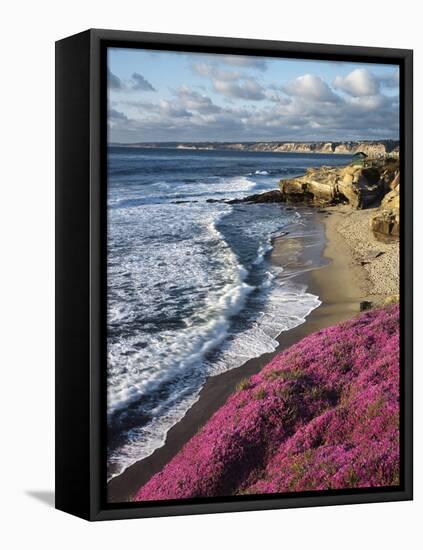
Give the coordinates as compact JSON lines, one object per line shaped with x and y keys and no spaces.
{"x":233,"y":274}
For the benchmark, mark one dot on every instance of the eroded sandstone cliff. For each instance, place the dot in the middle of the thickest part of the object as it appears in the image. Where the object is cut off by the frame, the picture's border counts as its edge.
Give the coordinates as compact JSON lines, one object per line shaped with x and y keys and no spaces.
{"x":370,"y":148}
{"x":359,"y":186}
{"x":386,"y":222}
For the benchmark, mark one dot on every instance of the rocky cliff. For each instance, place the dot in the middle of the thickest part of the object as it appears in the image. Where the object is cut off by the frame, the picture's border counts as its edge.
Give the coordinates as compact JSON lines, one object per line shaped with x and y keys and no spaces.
{"x":359,"y":186}
{"x":371,"y":148}
{"x":385,"y":224}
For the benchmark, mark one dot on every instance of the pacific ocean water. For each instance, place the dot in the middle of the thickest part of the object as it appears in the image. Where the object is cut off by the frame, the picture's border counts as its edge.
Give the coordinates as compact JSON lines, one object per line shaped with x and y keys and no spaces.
{"x":190,"y":289}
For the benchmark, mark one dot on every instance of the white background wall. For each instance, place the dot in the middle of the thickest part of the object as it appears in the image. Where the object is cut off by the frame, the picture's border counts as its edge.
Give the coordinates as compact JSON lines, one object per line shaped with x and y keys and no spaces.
{"x":28,"y":32}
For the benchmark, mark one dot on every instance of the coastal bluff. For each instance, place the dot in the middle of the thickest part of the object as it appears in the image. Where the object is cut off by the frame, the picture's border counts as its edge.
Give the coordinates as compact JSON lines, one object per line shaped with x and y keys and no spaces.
{"x":375,"y":186}
{"x":386,"y":223}
{"x":370,"y":148}
{"x":373,"y":148}
{"x":356,"y":185}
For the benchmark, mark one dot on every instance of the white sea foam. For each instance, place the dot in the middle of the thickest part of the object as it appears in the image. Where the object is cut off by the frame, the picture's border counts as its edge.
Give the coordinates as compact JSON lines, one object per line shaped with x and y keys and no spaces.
{"x":261,"y":172}
{"x":172,"y":353}
{"x":175,"y":287}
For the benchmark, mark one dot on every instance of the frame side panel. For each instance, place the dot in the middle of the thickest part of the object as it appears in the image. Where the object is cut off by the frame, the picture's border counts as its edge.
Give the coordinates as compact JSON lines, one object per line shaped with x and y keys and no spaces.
{"x":72,"y":275}
{"x":406,"y":273}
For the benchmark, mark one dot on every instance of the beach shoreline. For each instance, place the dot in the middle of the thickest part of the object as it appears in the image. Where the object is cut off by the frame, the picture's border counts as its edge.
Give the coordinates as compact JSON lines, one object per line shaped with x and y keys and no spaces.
{"x":341,"y":282}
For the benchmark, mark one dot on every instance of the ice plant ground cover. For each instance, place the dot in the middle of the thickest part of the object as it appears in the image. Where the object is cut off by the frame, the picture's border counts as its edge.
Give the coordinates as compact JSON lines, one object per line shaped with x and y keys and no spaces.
{"x":324,"y":414}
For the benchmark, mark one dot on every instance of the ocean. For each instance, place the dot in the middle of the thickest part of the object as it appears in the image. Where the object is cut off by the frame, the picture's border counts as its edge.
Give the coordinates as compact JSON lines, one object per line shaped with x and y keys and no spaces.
{"x":191,"y":292}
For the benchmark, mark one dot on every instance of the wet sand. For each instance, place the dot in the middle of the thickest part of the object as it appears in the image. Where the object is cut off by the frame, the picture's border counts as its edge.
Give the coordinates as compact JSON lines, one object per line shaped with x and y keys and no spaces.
{"x":334,"y":276}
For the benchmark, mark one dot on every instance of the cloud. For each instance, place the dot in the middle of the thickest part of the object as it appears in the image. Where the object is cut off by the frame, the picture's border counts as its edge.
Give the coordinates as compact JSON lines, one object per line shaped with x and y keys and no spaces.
{"x":194,"y":101}
{"x":358,"y":83}
{"x":370,"y":102}
{"x":246,"y":61}
{"x":390,"y":81}
{"x":169,"y":109}
{"x":310,"y":87}
{"x":298,"y":119}
{"x":184,"y":102}
{"x":113,"y":81}
{"x":232,"y":98}
{"x":212,"y":71}
{"x":117,"y":115}
{"x":233,"y":84}
{"x":272,"y":95}
{"x":117,"y":119}
{"x":245,"y":89}
{"x":140,"y":83}
{"x":305,"y":108}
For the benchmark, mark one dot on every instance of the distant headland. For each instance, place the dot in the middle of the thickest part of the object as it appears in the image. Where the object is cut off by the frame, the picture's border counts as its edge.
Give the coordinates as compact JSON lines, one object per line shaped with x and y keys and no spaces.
{"x":371,"y":148}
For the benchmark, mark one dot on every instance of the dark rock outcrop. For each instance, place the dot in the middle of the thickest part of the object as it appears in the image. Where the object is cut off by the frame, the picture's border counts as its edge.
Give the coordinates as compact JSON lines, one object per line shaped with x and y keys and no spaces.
{"x":356,"y":185}
{"x":269,"y":196}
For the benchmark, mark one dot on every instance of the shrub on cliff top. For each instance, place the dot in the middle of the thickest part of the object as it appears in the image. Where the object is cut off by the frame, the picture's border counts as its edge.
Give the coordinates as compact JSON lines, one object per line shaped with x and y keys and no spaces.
{"x":321,"y":415}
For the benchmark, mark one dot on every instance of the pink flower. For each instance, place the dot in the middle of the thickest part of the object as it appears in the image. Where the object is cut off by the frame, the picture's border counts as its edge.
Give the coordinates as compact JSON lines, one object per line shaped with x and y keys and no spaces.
{"x":322,"y":414}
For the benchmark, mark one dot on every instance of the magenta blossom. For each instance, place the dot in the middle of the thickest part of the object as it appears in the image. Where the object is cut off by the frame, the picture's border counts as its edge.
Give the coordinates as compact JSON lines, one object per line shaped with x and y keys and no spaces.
{"x":324,"y":414}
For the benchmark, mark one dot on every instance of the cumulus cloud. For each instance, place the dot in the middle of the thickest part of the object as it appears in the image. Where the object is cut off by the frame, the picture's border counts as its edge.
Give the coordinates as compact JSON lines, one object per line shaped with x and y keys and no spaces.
{"x":296,"y":120}
{"x":243,"y":108}
{"x":138,"y":83}
{"x":358,"y":83}
{"x":194,"y":101}
{"x":246,"y":61}
{"x":310,"y":87}
{"x":115,"y":115}
{"x":141,"y":83}
{"x":117,"y":120}
{"x":245,"y":89}
{"x":233,"y":84}
{"x":212,"y":71}
{"x":113,"y":81}
{"x":370,"y":102}
{"x":273,"y":95}
{"x":169,"y":109}
{"x":211,"y":68}
{"x":390,"y":81}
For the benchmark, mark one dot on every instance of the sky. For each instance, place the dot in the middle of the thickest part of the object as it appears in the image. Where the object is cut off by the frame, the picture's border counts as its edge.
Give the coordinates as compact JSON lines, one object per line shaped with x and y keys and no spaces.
{"x":177,"y":96}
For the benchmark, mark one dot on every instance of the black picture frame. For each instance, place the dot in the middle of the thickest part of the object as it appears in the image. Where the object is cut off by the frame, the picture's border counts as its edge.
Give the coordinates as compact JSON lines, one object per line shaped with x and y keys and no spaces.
{"x":81,"y":109}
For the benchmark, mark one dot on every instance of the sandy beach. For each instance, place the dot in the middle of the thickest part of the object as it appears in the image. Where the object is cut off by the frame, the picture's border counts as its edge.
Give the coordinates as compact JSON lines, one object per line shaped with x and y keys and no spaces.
{"x":357,"y":268}
{"x":379,"y":260}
